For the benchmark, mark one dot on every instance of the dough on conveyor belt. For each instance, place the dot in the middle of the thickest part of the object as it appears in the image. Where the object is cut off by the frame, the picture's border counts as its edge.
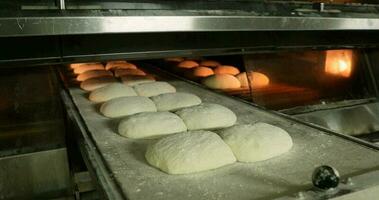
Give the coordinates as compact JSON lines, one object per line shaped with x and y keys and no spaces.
{"x":75,"y":65}
{"x":111,"y":91}
{"x":154,"y":88}
{"x":260,"y":141}
{"x":88,"y":67}
{"x":188,"y":64}
{"x":174,"y":59}
{"x":123,"y":65}
{"x":258,"y":79}
{"x":189,"y":152}
{"x":226,"y":69}
{"x":202,"y":72}
{"x":221,"y":81}
{"x":151,"y":125}
{"x":123,"y":72}
{"x":207,"y":116}
{"x":95,"y":83}
{"x":175,"y":101}
{"x":93,"y":74}
{"x":209,"y":63}
{"x":132,"y":80}
{"x":124,"y":106}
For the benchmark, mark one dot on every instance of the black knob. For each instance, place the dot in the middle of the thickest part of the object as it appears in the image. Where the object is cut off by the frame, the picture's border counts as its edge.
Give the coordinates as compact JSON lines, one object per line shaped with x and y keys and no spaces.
{"x":325,"y":177}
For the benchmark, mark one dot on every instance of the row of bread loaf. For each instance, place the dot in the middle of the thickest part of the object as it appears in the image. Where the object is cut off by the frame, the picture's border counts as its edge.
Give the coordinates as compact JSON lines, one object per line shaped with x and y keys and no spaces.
{"x":218,"y":76}
{"x":182,"y":121}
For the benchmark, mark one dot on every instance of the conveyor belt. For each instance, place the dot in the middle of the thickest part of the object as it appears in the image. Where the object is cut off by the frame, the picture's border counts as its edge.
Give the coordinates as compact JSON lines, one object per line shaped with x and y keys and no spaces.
{"x":276,"y":177}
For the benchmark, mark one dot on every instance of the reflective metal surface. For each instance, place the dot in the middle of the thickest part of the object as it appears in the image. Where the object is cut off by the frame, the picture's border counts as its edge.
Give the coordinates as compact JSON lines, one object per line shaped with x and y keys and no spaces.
{"x":38,"y":175}
{"x":175,"y":21}
{"x":354,"y":120}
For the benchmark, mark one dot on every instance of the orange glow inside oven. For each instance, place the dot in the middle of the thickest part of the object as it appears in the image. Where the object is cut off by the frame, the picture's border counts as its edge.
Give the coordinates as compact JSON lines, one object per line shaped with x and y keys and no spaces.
{"x":339,"y":62}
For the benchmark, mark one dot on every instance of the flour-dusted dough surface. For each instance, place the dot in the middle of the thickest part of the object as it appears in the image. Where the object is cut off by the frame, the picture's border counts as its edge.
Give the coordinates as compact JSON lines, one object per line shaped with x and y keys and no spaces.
{"x":93,"y":74}
{"x":189,"y":152}
{"x":260,"y":141}
{"x":151,"y":125}
{"x":154,"y":88}
{"x":95,"y":83}
{"x":207,"y":116}
{"x":132,"y":80}
{"x":111,"y":91}
{"x":221,"y":81}
{"x":124,"y":106}
{"x":175,"y":101}
{"x":88,"y":67}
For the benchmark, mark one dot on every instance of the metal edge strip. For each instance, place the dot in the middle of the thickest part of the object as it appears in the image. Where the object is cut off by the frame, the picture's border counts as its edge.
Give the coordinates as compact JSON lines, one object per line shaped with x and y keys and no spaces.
{"x":69,"y":25}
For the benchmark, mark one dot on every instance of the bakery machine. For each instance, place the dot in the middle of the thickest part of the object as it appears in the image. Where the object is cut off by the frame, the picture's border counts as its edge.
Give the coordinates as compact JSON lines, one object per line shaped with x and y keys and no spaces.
{"x":320,"y":59}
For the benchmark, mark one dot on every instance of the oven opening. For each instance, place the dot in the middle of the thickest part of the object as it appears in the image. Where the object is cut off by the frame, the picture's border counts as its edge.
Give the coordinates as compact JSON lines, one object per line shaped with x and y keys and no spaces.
{"x":286,"y":80}
{"x":331,"y":88}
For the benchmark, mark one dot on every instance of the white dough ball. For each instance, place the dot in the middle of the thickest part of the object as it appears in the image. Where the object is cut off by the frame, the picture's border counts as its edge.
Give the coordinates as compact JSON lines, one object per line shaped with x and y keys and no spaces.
{"x":174,"y":101}
{"x":260,"y":141}
{"x":154,"y":88}
{"x":221,"y":81}
{"x":189,"y":152}
{"x":124,"y":106}
{"x":95,"y":83}
{"x":111,"y":91}
{"x":151,"y":125}
{"x":207,"y":116}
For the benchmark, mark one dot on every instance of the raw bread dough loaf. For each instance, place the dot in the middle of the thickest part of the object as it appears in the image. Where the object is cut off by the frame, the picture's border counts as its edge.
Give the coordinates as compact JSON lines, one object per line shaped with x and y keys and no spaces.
{"x":175,"y":101}
{"x":209,"y":63}
{"x":256,"y":142}
{"x":123,"y":72}
{"x":188,"y":64}
{"x":259,"y":80}
{"x":132,"y":80}
{"x":202,"y":72}
{"x":124,"y":106}
{"x":189,"y":152}
{"x":221,"y":81}
{"x":88,"y":67}
{"x":111,"y":91}
{"x":207,"y":116}
{"x":95,"y":83}
{"x":242,"y":77}
{"x":123,"y":65}
{"x":174,"y":59}
{"x":93,"y":74}
{"x":151,"y":125}
{"x":75,"y":65}
{"x":226,"y":69}
{"x":154,"y":88}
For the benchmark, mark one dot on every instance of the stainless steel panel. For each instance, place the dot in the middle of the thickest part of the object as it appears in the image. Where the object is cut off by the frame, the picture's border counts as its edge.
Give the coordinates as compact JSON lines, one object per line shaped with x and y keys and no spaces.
{"x":286,"y":174}
{"x":97,"y":23}
{"x":351,"y":120}
{"x":43,"y":174}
